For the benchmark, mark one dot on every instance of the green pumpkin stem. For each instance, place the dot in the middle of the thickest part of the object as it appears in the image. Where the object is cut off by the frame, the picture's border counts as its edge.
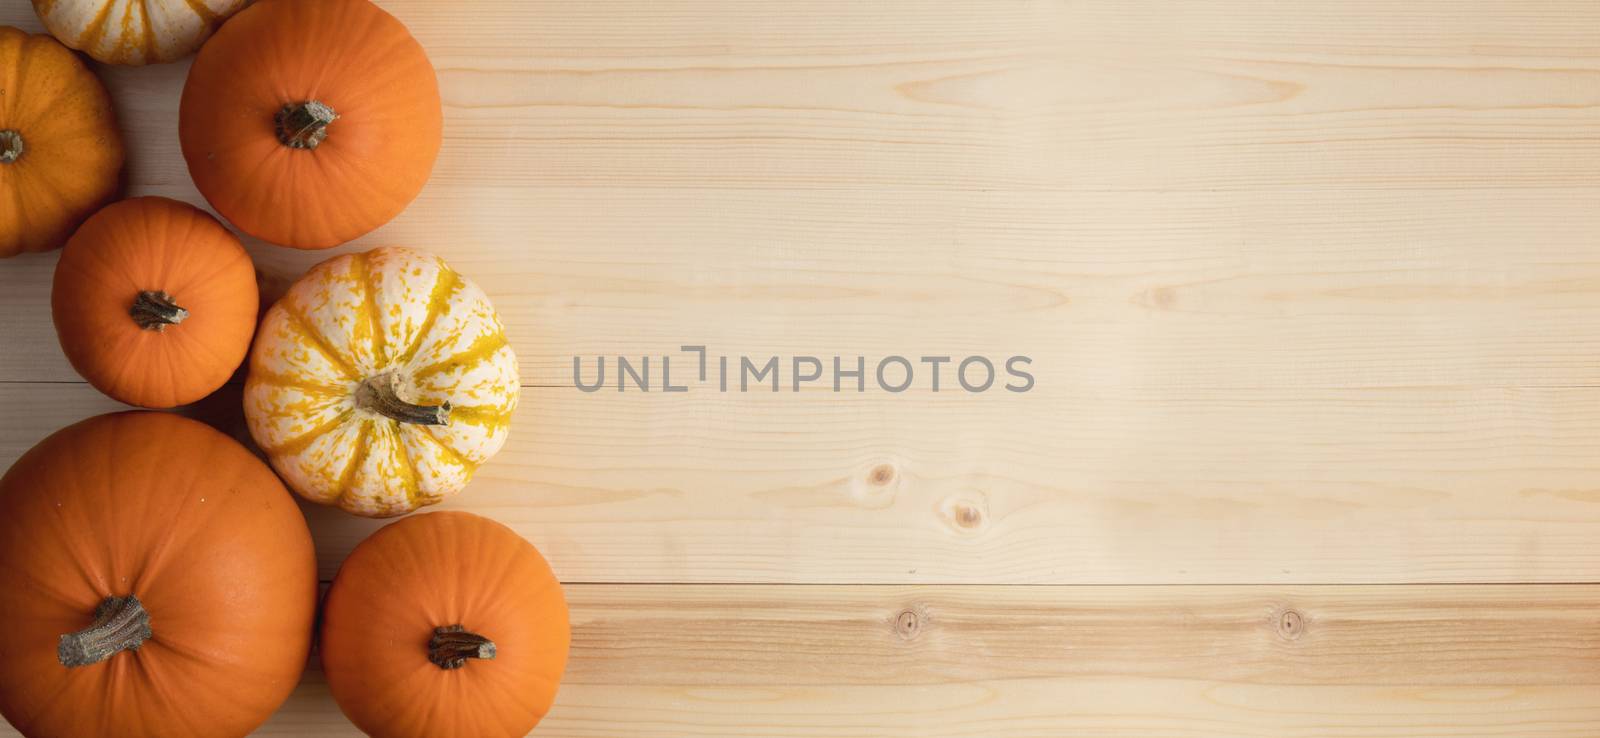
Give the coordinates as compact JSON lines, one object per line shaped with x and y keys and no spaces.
{"x":303,"y":125}
{"x":452,"y":645}
{"x":381,"y":395}
{"x":154,"y":310}
{"x":11,"y":147}
{"x":120,"y":624}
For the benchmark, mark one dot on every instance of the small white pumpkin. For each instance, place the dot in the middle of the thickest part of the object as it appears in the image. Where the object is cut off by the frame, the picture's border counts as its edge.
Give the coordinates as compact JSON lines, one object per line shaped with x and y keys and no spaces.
{"x":380,"y":382}
{"x":134,"y":31}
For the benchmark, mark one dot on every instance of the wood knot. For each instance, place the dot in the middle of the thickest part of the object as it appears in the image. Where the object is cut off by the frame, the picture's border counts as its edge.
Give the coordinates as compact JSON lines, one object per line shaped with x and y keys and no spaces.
{"x":876,"y":487}
{"x":965,"y":513}
{"x":907,"y":624}
{"x":1291,"y":625}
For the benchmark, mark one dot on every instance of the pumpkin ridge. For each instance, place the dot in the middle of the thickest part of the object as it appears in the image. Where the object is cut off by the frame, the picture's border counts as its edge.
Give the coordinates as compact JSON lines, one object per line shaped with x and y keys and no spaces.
{"x":149,"y":35}
{"x":357,"y":460}
{"x":22,"y":216}
{"x":98,"y":276}
{"x":410,"y":483}
{"x":96,"y":29}
{"x":209,"y":279}
{"x":199,"y":8}
{"x":316,"y":338}
{"x":193,"y":347}
{"x":125,"y":344}
{"x":45,"y":187}
{"x":444,"y":288}
{"x":455,"y":456}
{"x":274,"y":379}
{"x":16,"y":46}
{"x":301,"y":442}
{"x":369,"y":308}
{"x":18,"y":78}
{"x":481,"y":348}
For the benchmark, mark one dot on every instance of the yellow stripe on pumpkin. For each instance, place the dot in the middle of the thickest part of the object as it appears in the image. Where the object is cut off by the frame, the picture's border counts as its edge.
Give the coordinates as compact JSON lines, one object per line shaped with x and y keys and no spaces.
{"x":483,"y":416}
{"x":303,"y":441}
{"x":96,"y":29}
{"x":201,"y":9}
{"x":370,"y":327}
{"x":273,"y":379}
{"x":357,"y":460}
{"x":402,"y":456}
{"x":306,"y":331}
{"x":444,"y":290}
{"x":450,"y":452}
{"x":482,"y":348}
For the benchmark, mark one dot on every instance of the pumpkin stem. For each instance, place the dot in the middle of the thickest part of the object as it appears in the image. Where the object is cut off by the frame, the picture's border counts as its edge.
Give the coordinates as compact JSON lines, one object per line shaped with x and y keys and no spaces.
{"x":303,"y":125}
{"x":120,"y":624}
{"x":452,"y":645}
{"x":154,"y":310}
{"x":11,"y":147}
{"x":381,"y":395}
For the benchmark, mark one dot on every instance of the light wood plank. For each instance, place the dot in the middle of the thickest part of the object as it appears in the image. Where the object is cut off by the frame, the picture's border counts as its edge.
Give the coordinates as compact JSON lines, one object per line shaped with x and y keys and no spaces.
{"x":1153,"y":662}
{"x":692,"y":210}
{"x":1195,"y":486}
{"x":1020,"y":94}
{"x":1104,"y":290}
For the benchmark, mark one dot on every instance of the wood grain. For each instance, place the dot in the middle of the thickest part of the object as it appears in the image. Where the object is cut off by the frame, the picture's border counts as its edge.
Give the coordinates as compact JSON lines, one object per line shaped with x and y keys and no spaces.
{"x":1154,"y":662}
{"x":1222,"y":195}
{"x":1106,"y":290}
{"x":1194,"y":486}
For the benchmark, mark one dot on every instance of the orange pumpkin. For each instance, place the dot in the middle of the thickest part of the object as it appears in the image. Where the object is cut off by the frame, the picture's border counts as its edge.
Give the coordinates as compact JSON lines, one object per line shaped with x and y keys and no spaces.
{"x":156,"y":580}
{"x":154,"y":302}
{"x":60,"y":152}
{"x":309,"y":123}
{"x":445,"y":624}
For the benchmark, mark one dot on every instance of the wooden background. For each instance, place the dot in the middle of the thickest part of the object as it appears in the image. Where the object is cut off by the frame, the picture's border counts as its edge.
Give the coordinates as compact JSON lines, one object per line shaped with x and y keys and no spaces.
{"x":1312,"y":289}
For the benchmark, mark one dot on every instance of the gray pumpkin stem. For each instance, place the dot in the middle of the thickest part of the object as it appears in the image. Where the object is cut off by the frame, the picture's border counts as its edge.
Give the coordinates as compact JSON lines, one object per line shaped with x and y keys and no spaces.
{"x":381,"y":395}
{"x":154,"y":310}
{"x":120,"y":624}
{"x":303,"y":125}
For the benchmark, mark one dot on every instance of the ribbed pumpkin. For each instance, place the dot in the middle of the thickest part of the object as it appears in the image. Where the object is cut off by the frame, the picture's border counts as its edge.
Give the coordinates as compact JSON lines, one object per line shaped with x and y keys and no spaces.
{"x":155,"y":579}
{"x":310,"y":122}
{"x":154,"y":302}
{"x":134,"y":31}
{"x":60,"y":152}
{"x":445,"y":625}
{"x":380,"y":382}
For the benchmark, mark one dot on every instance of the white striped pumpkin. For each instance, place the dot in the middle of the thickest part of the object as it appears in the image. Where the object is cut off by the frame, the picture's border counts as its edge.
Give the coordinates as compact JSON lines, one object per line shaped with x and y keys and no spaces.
{"x":134,"y":31}
{"x":380,"y":382}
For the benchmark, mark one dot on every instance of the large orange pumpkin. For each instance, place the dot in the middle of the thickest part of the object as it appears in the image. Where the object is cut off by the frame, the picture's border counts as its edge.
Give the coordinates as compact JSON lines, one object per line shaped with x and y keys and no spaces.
{"x":310,"y":122}
{"x":60,"y":152}
{"x":156,"y":580}
{"x":154,"y":302}
{"x":445,"y":625}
